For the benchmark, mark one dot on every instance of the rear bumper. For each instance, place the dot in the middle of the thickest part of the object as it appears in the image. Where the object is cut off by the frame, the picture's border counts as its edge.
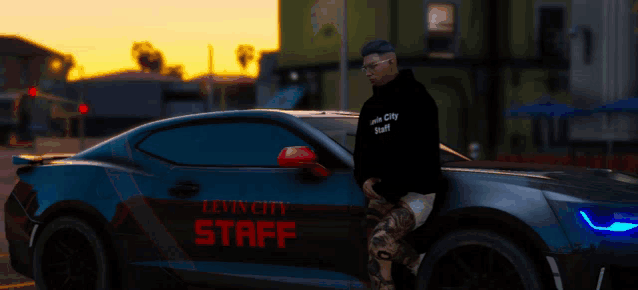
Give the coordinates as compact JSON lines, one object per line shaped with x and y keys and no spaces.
{"x":16,"y":222}
{"x":20,"y":258}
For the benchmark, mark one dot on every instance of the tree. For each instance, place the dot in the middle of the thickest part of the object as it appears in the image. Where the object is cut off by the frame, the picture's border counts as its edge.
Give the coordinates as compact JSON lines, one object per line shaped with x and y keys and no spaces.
{"x":245,"y":55}
{"x":175,"y":71}
{"x":151,"y":59}
{"x":148,"y":58}
{"x":68,"y":63}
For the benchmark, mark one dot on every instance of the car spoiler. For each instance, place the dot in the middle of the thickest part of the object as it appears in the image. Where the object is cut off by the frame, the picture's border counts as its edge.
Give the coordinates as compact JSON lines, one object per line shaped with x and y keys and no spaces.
{"x":28,"y":159}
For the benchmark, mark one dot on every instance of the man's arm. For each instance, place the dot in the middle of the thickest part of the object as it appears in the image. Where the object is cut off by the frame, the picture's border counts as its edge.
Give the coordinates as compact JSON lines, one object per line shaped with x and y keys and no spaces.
{"x":358,"y":150}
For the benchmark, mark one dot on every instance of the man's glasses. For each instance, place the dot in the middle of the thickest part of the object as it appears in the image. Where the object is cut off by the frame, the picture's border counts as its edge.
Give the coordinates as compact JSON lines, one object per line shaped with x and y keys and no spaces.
{"x":372,"y":66}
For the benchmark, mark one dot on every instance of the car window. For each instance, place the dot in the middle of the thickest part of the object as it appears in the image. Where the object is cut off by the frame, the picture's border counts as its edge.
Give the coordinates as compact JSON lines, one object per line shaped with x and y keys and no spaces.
{"x":223,"y":144}
{"x":342,"y":130}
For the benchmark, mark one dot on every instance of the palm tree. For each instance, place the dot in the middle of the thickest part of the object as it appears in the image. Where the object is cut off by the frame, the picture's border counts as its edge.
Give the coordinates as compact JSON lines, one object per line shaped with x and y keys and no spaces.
{"x":245,"y":55}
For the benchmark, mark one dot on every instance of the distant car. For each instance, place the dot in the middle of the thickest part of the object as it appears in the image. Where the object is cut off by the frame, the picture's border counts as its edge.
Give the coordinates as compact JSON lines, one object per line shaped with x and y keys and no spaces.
{"x":267,"y":199}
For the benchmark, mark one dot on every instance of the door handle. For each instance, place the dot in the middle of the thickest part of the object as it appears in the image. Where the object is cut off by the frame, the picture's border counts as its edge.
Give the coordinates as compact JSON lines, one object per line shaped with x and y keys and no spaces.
{"x":184,"y":190}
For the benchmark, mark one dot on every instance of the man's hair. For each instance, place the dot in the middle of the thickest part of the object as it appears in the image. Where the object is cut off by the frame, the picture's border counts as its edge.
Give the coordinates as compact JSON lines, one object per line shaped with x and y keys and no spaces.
{"x":378,"y":46}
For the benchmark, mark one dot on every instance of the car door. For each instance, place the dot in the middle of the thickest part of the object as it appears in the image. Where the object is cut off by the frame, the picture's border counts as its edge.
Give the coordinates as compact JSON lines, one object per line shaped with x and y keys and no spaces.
{"x":193,"y":192}
{"x":239,"y":219}
{"x":298,"y":232}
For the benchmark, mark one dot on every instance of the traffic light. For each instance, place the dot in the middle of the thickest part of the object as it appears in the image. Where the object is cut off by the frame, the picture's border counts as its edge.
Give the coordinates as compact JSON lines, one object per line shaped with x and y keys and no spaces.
{"x":83,"y":109}
{"x":33,"y":91}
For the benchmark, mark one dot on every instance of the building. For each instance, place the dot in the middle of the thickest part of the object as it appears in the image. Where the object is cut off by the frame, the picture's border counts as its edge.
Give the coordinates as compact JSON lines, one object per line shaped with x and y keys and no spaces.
{"x":26,"y":67}
{"x":229,"y":92}
{"x":267,"y":82}
{"x":24,"y":63}
{"x":603,"y":70}
{"x":472,"y":74}
{"x":126,"y":99}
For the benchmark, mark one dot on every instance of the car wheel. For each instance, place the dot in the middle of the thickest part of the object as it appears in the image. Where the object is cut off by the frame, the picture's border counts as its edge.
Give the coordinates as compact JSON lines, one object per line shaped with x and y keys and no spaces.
{"x":70,"y":255}
{"x":477,"y":259}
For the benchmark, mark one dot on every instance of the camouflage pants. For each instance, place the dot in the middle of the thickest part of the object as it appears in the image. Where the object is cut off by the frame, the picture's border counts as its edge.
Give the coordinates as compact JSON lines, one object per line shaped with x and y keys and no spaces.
{"x":388,"y":224}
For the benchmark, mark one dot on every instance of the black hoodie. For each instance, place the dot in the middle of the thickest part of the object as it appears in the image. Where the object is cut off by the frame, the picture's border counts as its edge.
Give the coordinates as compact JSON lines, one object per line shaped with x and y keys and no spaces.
{"x":398,"y":139}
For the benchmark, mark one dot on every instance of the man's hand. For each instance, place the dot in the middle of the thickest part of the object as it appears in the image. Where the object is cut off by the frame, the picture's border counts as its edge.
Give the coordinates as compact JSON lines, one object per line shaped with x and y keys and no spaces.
{"x":367,"y":188}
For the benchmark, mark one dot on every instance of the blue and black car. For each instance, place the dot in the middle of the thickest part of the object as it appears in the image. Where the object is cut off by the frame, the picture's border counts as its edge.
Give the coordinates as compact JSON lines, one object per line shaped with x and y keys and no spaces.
{"x":266,"y":199}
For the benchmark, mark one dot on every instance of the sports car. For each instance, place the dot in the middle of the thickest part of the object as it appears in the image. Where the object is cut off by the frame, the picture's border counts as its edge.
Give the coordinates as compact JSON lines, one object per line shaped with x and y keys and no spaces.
{"x":266,"y":199}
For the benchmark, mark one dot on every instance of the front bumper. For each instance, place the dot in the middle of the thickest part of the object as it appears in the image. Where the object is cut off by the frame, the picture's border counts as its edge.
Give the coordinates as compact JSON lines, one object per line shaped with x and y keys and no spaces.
{"x":606,"y":268}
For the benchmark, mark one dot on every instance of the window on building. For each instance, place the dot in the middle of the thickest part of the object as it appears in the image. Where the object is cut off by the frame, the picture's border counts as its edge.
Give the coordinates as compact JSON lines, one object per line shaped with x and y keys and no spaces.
{"x":552,"y":37}
{"x":441,"y":27}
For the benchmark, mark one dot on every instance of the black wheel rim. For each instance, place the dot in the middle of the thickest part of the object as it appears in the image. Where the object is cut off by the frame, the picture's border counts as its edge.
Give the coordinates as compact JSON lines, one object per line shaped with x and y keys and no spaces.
{"x":474,"y":267}
{"x":68,"y":261}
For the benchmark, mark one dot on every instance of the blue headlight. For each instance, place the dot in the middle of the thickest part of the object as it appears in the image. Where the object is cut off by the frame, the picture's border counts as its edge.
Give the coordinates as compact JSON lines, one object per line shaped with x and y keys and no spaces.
{"x":615,"y":227}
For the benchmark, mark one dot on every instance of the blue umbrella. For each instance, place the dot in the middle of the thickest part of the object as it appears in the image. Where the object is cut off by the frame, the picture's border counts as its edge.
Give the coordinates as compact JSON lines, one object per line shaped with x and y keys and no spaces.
{"x":625,"y":105}
{"x":543,"y":109}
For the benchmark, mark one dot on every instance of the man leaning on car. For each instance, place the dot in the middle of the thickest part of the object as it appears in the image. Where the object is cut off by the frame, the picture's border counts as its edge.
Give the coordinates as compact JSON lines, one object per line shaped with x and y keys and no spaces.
{"x":396,"y":160}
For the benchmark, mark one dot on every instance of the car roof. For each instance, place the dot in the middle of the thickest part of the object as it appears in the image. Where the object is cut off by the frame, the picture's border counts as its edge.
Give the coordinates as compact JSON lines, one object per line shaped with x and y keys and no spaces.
{"x":284,"y":116}
{"x":273,"y":114}
{"x":312,"y":113}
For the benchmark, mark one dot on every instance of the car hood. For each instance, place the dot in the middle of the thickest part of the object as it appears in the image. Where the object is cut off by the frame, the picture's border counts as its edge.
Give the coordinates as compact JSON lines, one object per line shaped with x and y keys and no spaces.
{"x":594,"y":184}
{"x":514,"y":166}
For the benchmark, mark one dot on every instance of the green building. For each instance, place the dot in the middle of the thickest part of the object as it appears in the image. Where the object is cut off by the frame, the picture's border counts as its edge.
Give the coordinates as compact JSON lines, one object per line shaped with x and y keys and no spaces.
{"x":447,"y":45}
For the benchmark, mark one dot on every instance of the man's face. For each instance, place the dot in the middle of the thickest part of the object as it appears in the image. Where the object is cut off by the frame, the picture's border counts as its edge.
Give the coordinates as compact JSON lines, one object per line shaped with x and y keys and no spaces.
{"x":378,"y":68}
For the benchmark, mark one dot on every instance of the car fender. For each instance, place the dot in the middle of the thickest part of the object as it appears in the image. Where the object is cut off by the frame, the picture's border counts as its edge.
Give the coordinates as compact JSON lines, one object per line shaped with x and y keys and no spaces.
{"x":499,"y":199}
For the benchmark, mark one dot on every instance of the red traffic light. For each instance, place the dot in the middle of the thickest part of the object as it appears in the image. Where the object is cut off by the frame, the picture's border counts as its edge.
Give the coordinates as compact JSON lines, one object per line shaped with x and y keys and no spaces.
{"x":83,"y":109}
{"x":33,"y":91}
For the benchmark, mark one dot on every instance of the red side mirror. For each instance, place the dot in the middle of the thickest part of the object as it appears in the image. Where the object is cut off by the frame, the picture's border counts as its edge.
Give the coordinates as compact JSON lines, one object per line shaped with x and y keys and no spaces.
{"x":301,"y":157}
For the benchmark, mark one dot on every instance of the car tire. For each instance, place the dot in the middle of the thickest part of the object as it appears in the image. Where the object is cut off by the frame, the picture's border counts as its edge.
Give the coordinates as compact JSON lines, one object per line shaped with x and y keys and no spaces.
{"x":68,"y":247}
{"x":448,"y":248}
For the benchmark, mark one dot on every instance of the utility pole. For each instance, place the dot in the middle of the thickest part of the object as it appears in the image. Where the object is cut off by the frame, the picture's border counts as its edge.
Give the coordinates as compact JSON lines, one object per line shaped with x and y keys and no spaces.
{"x":344,"y":56}
{"x":344,"y":61}
{"x":222,"y":101}
{"x":81,"y":121}
{"x":493,"y":100}
{"x":210,"y":78}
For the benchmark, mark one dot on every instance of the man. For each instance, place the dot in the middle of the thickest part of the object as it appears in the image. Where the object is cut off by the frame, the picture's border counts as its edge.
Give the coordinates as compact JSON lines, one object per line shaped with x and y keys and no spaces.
{"x":396,"y":160}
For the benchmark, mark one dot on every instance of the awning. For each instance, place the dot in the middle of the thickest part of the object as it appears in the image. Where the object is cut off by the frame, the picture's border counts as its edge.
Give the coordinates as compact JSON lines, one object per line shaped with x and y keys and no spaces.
{"x":286,"y":98}
{"x":13,"y":95}
{"x":10,"y":95}
{"x":555,"y":109}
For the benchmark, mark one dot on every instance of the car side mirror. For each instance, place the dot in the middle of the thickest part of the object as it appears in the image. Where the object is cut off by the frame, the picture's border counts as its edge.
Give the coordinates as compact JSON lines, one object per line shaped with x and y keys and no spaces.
{"x":301,"y":157}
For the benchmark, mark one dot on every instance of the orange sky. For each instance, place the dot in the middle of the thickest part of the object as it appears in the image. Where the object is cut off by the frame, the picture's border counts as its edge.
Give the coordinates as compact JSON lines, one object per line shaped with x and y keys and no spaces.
{"x":100,"y":34}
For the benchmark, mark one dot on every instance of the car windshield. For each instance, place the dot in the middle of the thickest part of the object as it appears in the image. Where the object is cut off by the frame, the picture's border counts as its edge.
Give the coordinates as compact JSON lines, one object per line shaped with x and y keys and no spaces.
{"x":343,"y":130}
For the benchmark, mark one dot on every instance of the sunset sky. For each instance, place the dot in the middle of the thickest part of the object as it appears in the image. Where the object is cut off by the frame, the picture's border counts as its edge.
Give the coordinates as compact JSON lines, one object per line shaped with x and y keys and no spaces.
{"x":100,"y":34}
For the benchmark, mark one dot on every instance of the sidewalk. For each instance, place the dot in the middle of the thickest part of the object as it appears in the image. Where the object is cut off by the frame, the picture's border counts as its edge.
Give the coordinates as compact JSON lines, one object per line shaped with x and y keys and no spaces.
{"x":9,"y":279}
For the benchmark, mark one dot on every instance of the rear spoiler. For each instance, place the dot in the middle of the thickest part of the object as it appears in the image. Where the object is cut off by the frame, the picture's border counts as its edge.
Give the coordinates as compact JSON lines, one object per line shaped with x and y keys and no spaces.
{"x":28,"y":159}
